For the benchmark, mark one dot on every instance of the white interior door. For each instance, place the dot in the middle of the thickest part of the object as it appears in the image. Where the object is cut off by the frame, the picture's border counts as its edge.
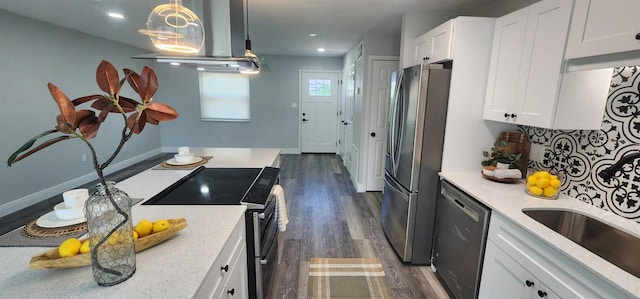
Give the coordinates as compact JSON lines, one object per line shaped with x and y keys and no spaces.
{"x":348,"y":115}
{"x":381,"y":86}
{"x":318,"y":111}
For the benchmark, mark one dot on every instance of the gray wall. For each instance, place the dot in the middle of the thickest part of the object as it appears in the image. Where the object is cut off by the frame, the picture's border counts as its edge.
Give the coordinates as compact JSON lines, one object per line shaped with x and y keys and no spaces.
{"x":274,"y":122}
{"x":33,"y":54}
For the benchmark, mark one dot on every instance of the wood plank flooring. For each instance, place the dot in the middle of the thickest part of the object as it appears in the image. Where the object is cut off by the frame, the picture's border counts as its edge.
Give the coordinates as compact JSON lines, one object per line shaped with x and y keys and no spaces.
{"x":328,"y":218}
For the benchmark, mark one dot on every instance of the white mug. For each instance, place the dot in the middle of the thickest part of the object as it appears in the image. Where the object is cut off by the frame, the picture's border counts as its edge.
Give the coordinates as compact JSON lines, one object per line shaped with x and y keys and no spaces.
{"x":183,"y":150}
{"x":75,"y":198}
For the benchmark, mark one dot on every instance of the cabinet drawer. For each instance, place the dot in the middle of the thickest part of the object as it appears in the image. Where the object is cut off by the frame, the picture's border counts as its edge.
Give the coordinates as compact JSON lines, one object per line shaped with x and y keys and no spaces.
{"x":223,"y":266}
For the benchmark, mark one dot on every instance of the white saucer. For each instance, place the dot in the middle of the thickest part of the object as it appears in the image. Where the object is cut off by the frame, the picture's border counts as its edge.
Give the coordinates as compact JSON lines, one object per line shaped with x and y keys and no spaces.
{"x":50,"y":220}
{"x":173,"y":161}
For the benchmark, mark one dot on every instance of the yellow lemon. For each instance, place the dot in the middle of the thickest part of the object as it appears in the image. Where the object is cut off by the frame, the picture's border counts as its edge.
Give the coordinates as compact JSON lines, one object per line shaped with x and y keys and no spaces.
{"x":550,"y":191}
{"x":542,"y":183}
{"x":135,"y":235}
{"x":555,"y":183}
{"x":543,"y":174}
{"x":531,"y":180}
{"x":535,"y":190}
{"x":144,"y":227}
{"x":160,"y":225}
{"x":85,"y":247}
{"x":114,"y":238}
{"x":553,"y":177}
{"x":69,"y":247}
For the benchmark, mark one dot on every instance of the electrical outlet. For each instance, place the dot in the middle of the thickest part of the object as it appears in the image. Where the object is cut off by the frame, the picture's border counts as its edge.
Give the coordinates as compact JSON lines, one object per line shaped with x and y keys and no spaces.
{"x":84,"y":157}
{"x":536,"y":152}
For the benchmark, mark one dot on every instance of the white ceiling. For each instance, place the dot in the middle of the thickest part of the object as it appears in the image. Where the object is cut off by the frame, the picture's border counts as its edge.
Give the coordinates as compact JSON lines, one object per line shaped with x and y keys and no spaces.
{"x":276,"y":27}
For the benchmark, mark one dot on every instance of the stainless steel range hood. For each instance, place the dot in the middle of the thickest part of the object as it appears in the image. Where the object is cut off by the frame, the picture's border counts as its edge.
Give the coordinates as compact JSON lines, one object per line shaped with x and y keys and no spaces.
{"x":224,"y":43}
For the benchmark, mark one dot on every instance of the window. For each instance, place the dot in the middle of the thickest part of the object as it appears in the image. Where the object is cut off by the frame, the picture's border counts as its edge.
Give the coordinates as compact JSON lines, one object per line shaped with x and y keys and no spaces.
{"x":224,"y":97}
{"x":320,"y":87}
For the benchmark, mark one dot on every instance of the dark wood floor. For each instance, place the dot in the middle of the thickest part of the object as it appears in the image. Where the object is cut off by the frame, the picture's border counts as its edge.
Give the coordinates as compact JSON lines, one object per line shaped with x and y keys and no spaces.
{"x":328,"y":218}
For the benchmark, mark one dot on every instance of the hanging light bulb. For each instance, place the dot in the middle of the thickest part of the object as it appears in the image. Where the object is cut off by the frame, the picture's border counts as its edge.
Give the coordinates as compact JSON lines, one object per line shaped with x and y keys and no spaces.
{"x":247,"y":42}
{"x":174,"y":28}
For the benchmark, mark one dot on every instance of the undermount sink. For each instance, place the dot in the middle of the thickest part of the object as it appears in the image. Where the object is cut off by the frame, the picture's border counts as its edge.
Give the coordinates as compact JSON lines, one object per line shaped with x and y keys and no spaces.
{"x":608,"y":242}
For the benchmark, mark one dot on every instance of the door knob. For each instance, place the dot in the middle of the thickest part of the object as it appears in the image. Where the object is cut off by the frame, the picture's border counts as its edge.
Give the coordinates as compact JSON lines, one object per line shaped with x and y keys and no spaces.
{"x":506,"y":115}
{"x":373,"y":134}
{"x":513,"y":115}
{"x":638,"y":36}
{"x":304,"y":119}
{"x":345,"y":123}
{"x":303,"y":114}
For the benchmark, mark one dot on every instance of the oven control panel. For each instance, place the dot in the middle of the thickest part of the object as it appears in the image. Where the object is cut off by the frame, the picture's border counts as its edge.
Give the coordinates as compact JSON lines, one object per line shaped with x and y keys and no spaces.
{"x":257,"y":195}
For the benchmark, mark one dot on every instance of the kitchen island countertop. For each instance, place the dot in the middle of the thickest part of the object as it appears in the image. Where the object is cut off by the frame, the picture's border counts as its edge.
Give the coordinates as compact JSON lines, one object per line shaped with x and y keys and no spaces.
{"x":510,"y":199}
{"x":173,"y":269}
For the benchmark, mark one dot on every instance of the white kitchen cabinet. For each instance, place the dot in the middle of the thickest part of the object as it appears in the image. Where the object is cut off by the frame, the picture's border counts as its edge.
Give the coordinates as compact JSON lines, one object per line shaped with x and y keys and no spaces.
{"x":435,"y":45}
{"x":527,"y":84}
{"x":505,"y":278}
{"x":519,"y":265}
{"x":227,"y":277}
{"x":600,"y":27}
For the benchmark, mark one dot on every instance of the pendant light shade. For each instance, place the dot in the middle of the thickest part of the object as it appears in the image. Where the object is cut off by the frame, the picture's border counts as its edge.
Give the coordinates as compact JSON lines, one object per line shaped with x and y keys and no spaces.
{"x":174,"y":28}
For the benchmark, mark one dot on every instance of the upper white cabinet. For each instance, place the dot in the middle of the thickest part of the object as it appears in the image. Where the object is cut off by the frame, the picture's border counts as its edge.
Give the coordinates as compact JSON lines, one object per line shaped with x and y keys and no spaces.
{"x":434,"y":45}
{"x":526,"y":83}
{"x":600,"y":27}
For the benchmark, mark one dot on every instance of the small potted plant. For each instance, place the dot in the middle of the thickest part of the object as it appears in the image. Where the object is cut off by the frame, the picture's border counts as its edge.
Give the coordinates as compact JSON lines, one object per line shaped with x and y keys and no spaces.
{"x":500,"y":158}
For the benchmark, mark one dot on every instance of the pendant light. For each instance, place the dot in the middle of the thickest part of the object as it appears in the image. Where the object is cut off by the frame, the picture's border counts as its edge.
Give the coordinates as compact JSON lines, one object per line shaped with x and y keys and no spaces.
{"x":174,"y":28}
{"x":247,"y":44}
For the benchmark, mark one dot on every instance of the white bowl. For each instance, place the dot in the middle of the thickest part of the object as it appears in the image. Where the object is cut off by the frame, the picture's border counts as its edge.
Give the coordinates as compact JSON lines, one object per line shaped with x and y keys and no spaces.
{"x":184,"y":159}
{"x":66,"y":213}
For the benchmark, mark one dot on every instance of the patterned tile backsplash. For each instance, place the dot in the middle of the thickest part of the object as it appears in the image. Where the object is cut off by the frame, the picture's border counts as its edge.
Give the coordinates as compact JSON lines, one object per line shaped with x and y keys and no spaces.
{"x":579,"y":155}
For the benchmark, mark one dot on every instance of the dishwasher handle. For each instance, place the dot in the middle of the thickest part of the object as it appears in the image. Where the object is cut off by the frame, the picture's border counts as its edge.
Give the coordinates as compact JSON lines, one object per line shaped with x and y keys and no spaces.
{"x":473,"y":214}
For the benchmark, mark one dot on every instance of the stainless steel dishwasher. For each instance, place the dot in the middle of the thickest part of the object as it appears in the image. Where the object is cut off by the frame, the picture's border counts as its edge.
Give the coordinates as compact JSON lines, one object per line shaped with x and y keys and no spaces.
{"x":459,"y":241}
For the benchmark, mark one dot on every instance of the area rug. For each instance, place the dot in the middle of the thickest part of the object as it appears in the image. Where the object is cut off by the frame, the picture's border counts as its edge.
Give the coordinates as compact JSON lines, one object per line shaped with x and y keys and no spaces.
{"x":347,"y":278}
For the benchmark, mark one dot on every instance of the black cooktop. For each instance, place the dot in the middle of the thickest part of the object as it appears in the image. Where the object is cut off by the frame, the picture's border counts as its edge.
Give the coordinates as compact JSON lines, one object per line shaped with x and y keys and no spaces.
{"x":208,"y":186}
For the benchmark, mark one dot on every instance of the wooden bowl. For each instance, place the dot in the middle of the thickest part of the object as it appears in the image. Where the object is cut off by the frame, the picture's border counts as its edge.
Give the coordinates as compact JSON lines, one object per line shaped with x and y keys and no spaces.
{"x":51,"y":259}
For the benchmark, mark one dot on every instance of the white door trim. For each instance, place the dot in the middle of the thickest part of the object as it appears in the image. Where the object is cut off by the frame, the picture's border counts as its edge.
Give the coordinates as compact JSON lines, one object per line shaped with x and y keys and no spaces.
{"x":300,"y":72}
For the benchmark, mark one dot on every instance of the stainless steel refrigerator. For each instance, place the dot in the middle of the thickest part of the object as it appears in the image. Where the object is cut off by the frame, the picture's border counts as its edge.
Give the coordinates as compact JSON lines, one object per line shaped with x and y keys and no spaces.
{"x":417,"y":115}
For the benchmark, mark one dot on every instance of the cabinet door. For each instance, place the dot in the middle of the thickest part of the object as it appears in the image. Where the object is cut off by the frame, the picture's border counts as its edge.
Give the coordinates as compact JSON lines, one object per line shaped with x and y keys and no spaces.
{"x":441,"y":42}
{"x":502,"y":277}
{"x":504,"y":68}
{"x":541,"y":66}
{"x":601,"y":27}
{"x":422,"y":45}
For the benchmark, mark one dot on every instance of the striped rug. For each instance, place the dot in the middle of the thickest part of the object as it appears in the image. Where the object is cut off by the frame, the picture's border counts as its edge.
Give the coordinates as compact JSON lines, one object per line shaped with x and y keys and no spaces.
{"x":347,"y":278}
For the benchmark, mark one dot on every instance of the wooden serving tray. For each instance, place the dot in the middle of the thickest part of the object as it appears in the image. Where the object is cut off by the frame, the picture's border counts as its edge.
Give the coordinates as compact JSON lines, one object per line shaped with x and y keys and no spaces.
{"x":51,"y":259}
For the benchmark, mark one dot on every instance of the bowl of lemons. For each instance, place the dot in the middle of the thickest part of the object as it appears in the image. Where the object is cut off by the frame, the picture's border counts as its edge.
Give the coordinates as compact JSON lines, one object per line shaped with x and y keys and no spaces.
{"x":543,"y":184}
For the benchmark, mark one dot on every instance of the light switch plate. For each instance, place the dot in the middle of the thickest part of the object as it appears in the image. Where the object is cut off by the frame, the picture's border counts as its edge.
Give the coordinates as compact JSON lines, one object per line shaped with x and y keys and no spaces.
{"x":536,"y":152}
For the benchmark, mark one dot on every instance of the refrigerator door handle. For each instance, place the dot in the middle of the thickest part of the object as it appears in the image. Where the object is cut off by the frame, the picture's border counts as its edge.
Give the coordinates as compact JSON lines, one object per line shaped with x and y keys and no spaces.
{"x":393,"y":186}
{"x":394,"y":118}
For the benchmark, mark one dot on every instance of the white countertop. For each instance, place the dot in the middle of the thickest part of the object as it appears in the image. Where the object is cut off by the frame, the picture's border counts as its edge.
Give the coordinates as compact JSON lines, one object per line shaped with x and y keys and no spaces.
{"x":173,"y":269}
{"x":509,"y":200}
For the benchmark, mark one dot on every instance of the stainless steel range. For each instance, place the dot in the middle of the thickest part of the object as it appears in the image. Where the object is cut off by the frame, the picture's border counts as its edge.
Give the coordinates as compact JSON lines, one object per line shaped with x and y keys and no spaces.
{"x":235,"y":186}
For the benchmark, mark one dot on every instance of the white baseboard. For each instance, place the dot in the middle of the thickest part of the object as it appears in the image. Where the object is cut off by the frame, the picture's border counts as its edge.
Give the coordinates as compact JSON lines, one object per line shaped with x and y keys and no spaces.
{"x":284,"y":151}
{"x":39,"y":196}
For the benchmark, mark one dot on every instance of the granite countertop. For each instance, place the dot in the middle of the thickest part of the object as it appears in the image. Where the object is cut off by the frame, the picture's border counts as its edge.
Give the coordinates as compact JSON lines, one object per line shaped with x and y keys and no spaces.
{"x":509,"y":200}
{"x":173,"y":269}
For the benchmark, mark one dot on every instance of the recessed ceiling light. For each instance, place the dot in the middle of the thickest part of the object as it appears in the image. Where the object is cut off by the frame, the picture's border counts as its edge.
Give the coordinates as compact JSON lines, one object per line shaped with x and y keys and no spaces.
{"x":174,"y":63}
{"x":320,"y":49}
{"x":116,"y":15}
{"x":312,"y":34}
{"x":200,"y":69}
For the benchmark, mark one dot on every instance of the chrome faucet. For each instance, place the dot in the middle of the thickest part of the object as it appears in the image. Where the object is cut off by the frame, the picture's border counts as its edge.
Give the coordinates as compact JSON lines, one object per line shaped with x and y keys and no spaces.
{"x":608,"y":173}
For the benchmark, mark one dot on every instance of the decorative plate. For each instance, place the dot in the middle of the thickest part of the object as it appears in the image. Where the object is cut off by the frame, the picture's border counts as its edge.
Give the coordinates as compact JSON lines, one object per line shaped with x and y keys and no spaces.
{"x":173,"y":161}
{"x":50,"y":220}
{"x":51,"y":259}
{"x":504,"y":180}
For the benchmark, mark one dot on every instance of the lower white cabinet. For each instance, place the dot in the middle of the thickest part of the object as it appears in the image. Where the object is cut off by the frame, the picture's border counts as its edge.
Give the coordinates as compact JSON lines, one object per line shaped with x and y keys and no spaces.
{"x":519,"y":265}
{"x":227,"y":277}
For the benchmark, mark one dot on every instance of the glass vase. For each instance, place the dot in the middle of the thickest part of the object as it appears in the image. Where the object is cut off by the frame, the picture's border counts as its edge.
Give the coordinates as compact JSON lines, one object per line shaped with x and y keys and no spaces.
{"x":108,"y":213}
